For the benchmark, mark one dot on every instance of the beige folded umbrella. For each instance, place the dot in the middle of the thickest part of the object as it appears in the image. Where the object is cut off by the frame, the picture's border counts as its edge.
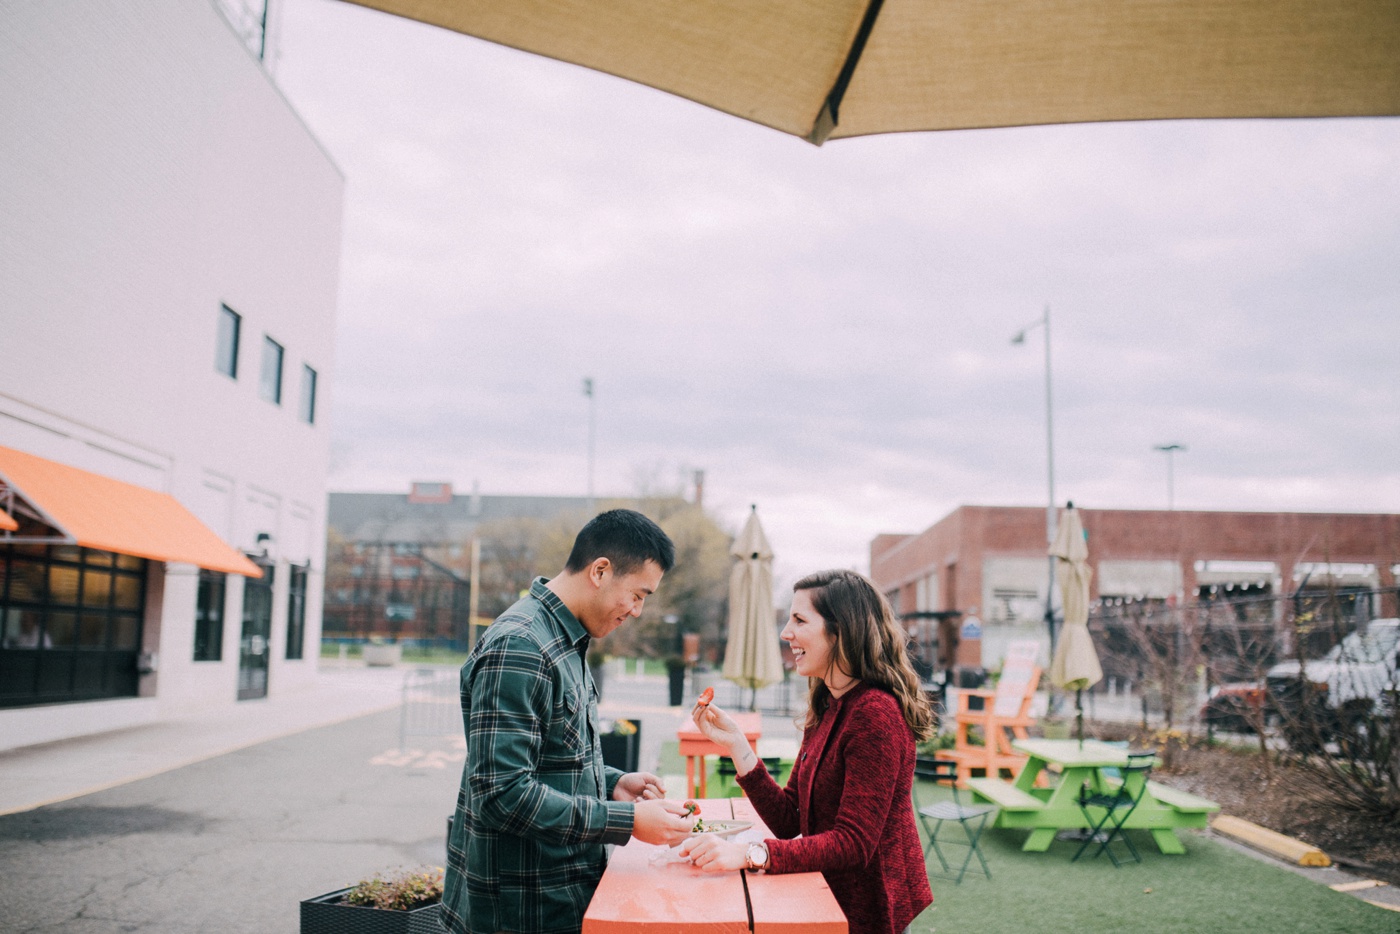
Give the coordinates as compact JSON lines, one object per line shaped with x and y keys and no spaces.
{"x":1076,"y":663}
{"x":823,"y":69}
{"x":752,"y":657}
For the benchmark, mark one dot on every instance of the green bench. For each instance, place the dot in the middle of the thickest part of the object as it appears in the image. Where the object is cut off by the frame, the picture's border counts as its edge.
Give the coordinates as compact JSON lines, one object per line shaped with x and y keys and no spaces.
{"x":1182,"y":801}
{"x":1004,"y":794}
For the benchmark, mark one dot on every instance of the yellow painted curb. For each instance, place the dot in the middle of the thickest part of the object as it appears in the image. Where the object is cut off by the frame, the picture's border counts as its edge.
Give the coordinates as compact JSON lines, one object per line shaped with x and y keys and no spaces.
{"x":1275,"y":844}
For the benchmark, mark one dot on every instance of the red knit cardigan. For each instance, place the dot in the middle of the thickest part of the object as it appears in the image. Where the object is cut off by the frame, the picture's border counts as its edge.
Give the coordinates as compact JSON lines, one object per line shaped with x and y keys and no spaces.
{"x":848,"y":798}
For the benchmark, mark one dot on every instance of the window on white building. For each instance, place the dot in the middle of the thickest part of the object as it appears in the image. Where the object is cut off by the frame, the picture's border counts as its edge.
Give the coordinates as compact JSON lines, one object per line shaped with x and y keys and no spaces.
{"x":296,"y":611}
{"x":226,"y":349}
{"x":308,"y":395}
{"x":270,"y":385}
{"x":209,"y":617}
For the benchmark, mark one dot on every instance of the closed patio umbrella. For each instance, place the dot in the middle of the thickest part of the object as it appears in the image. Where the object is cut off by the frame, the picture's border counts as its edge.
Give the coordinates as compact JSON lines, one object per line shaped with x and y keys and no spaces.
{"x":752,"y":657}
{"x":1076,"y":663}
{"x":826,"y":69}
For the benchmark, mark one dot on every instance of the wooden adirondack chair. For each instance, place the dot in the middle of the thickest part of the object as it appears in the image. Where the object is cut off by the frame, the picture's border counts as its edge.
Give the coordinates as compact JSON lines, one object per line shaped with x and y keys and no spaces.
{"x":1003,"y":715}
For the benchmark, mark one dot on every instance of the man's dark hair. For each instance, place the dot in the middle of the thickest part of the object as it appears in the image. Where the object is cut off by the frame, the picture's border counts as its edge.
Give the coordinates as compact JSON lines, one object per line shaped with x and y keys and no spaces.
{"x":626,"y":538}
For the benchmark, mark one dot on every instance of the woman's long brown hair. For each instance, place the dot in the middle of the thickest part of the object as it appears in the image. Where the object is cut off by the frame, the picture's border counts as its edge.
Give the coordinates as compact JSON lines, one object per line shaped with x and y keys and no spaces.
{"x":870,"y":645}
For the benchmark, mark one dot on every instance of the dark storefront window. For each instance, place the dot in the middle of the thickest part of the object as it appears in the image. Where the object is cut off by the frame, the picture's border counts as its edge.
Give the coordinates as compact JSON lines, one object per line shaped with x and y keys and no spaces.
{"x":209,"y":617}
{"x":296,"y":611}
{"x":70,"y":624}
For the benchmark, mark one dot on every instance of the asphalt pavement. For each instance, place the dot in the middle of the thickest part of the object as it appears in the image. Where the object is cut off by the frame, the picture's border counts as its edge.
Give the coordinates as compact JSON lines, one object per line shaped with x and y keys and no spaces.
{"x":224,"y":821}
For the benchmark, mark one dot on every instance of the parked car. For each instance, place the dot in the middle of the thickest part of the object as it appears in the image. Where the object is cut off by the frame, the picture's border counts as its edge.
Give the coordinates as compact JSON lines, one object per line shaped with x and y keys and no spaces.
{"x":1334,"y":696}
{"x":1237,"y":707}
{"x":1318,"y":698}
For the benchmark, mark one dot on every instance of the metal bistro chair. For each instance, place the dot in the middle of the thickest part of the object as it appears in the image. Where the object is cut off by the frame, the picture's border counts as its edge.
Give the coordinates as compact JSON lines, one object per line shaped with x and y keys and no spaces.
{"x":971,"y":817}
{"x":1117,"y":807}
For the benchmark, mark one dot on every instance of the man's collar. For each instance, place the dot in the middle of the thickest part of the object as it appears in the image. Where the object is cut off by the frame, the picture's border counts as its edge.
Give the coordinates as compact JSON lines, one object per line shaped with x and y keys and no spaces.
{"x":572,"y":627}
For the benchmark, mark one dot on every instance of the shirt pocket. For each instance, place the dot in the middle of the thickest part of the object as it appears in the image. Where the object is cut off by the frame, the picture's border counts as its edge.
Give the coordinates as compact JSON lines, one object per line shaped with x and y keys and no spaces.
{"x":566,"y":745}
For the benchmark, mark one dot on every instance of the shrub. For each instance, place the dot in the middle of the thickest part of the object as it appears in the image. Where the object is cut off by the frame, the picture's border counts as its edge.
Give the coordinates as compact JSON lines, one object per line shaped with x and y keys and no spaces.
{"x":403,"y":891}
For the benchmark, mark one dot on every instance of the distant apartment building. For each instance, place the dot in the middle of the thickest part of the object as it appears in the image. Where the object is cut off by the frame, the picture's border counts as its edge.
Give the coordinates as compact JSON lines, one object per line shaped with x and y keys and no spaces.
{"x":983,"y":570}
{"x":169,"y":252}
{"x":403,"y":566}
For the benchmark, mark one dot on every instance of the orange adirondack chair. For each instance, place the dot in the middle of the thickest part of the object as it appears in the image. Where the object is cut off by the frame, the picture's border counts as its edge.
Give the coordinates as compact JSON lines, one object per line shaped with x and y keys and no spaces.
{"x":1003,"y":716}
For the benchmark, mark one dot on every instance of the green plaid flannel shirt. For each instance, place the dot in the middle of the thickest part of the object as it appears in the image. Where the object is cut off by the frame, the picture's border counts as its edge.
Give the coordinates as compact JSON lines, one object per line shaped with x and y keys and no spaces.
{"x":526,"y":849}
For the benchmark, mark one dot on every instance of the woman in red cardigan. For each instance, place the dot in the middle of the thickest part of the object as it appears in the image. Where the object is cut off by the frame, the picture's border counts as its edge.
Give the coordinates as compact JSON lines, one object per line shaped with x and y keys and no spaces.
{"x":846,"y":811}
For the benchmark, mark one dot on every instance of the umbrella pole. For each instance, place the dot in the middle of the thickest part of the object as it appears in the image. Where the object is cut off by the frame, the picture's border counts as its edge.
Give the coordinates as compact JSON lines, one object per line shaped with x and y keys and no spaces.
{"x":1079,"y":713}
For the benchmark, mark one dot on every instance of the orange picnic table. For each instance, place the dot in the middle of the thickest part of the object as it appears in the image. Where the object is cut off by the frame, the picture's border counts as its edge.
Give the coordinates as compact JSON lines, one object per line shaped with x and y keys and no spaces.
{"x":647,"y":889}
{"x":695,"y":747}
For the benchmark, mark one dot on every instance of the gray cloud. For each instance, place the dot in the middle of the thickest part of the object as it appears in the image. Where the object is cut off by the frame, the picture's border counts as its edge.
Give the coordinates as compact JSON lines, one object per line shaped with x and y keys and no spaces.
{"x":826,"y":331}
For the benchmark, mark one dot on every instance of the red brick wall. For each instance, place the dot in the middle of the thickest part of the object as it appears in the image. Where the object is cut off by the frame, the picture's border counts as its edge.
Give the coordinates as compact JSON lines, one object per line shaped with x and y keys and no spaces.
{"x":957,"y":544}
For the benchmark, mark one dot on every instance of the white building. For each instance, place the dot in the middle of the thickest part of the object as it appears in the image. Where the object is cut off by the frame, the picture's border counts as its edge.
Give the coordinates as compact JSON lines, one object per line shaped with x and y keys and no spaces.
{"x":169,"y":250}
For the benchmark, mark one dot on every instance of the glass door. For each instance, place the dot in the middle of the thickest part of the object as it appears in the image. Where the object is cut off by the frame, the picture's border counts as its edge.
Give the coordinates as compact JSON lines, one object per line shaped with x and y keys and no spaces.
{"x":256,"y":643}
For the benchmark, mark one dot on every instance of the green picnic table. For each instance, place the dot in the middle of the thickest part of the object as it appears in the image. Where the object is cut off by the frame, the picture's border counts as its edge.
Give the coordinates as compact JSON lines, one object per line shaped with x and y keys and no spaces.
{"x":1047,"y":810}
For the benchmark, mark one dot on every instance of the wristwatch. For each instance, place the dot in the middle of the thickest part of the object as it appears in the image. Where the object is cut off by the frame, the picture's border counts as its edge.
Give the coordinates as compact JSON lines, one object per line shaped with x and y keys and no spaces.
{"x":756,"y":857}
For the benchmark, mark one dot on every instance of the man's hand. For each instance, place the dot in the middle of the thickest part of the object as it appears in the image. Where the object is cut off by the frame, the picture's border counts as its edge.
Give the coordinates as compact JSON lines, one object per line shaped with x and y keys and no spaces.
{"x":713,"y":854}
{"x":638,"y":786}
{"x":660,"y":822}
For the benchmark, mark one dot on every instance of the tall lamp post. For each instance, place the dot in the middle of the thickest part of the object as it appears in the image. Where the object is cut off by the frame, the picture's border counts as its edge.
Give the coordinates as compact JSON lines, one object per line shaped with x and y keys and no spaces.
{"x":588,"y":391}
{"x":1044,"y":323}
{"x":1170,"y":450}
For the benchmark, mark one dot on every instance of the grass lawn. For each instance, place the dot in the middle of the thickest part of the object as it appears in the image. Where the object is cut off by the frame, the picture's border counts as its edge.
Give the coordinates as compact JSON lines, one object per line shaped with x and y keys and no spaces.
{"x":1211,"y":889}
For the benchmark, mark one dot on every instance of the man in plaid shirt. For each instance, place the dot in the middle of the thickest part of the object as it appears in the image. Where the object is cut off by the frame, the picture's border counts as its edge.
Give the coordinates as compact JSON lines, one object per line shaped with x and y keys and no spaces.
{"x":537,"y":804}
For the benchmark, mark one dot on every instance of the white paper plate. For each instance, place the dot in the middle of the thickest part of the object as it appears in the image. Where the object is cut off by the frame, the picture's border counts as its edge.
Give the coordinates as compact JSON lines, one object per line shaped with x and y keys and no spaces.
{"x":723,"y":828}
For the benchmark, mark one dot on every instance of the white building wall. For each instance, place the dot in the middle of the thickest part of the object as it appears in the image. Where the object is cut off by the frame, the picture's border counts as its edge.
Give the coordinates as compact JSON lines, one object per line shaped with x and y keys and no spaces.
{"x":151,"y":172}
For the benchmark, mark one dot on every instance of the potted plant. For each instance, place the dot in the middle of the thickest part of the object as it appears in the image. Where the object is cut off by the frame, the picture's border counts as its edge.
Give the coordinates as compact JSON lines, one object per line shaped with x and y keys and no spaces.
{"x":620,"y":745}
{"x":675,"y":675}
{"x":404,"y":903}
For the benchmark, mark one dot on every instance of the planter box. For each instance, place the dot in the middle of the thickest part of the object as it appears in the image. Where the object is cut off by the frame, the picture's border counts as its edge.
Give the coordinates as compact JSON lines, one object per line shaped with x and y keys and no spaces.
{"x":622,"y":750}
{"x":383,"y":656}
{"x":322,"y":915}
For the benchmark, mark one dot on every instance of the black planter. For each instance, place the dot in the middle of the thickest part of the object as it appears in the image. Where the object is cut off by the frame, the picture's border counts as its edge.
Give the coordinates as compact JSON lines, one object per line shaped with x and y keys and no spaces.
{"x":677,"y":685}
{"x":622,"y":750}
{"x":323,"y":915}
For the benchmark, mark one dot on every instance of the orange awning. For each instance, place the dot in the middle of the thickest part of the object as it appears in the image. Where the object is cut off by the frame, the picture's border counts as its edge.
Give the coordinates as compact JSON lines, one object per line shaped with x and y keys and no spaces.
{"x":7,"y":522}
{"x":99,"y":512}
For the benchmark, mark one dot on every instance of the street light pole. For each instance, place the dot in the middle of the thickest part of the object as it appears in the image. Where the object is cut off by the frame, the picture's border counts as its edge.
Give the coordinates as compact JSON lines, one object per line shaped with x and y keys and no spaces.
{"x":1170,"y":450}
{"x":588,"y":391}
{"x":1020,"y":338}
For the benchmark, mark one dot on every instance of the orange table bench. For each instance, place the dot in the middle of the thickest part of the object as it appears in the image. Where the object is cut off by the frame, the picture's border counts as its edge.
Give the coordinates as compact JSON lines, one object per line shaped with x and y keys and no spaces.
{"x":695,"y":747}
{"x":640,"y":896}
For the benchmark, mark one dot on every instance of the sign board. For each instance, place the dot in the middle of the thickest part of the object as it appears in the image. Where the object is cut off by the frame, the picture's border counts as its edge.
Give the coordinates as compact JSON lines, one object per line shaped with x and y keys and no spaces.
{"x":972,"y":628}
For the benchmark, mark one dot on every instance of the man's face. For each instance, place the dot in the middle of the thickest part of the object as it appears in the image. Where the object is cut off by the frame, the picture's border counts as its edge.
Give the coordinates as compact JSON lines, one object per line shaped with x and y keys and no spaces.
{"x":617,"y":597}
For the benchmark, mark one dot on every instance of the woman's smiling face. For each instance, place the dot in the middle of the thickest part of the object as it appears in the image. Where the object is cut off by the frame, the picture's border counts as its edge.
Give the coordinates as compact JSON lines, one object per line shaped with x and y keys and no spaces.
{"x":812,"y":646}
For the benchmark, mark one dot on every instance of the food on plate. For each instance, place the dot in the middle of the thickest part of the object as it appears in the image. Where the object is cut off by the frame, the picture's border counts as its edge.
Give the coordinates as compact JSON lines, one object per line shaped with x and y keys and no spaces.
{"x":722,"y":828}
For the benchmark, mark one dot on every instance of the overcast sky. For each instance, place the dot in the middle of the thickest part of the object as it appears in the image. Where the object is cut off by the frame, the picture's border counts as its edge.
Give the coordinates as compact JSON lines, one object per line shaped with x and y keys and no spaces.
{"x":826,"y":331}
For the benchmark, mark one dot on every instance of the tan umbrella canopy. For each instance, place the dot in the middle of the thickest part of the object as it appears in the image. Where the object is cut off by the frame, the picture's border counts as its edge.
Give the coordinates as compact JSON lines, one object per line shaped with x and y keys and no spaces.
{"x":1076,"y":663}
{"x":752,"y":657}
{"x":823,"y":69}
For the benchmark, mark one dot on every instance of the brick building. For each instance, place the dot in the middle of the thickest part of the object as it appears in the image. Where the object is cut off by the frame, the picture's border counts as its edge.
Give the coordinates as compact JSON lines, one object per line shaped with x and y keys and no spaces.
{"x":988,"y":564}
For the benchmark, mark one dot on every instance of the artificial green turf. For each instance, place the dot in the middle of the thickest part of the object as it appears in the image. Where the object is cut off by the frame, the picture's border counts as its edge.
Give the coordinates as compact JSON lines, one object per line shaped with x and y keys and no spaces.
{"x":1210,"y":889}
